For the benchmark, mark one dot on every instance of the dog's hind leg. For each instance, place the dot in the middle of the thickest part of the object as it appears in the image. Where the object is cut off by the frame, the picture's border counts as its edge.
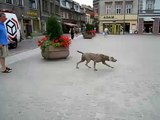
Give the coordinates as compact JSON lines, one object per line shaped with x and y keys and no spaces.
{"x":95,"y":66}
{"x":107,"y":65}
{"x":87,"y":63}
{"x":82,"y":60}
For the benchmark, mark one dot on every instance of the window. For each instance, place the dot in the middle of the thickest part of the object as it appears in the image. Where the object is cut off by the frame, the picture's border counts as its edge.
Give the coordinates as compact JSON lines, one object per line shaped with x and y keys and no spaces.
{"x":118,"y":9}
{"x":52,"y":7}
{"x":32,"y":4}
{"x":108,"y":9}
{"x":9,"y":1}
{"x":76,"y":7}
{"x":63,"y":2}
{"x":45,"y":6}
{"x":57,"y":9}
{"x":63,"y":14}
{"x":18,"y":2}
{"x":149,"y":5}
{"x":128,"y":9}
{"x":67,"y":15}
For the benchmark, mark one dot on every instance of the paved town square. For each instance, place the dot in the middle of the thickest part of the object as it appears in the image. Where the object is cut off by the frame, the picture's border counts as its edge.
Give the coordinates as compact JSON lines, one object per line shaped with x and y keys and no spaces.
{"x":38,"y":89}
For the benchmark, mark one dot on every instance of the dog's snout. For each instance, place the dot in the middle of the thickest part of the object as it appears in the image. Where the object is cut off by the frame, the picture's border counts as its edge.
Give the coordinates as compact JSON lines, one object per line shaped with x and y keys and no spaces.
{"x":114,"y":60}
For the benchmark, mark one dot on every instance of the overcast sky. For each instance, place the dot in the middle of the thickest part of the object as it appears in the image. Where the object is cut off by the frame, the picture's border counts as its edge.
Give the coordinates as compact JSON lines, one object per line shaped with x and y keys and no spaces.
{"x":86,"y":2}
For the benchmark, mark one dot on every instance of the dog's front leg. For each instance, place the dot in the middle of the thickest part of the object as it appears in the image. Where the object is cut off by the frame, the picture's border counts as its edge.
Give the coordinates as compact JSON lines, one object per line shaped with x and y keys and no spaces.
{"x":95,"y":66}
{"x":107,"y":65}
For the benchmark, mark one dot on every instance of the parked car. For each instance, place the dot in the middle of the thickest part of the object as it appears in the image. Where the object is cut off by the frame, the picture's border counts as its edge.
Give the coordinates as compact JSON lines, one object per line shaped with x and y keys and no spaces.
{"x":13,"y":29}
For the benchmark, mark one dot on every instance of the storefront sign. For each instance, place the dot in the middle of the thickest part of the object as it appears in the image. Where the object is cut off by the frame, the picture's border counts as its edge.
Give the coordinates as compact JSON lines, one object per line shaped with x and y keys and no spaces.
{"x":108,"y":17}
{"x":32,"y":14}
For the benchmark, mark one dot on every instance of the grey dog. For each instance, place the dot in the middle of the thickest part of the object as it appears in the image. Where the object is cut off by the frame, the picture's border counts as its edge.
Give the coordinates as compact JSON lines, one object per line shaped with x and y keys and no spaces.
{"x":96,"y":58}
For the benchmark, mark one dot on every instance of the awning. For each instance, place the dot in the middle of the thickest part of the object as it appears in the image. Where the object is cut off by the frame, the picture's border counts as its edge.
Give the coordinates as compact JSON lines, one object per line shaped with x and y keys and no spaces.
{"x":70,"y":24}
{"x":148,"y":19}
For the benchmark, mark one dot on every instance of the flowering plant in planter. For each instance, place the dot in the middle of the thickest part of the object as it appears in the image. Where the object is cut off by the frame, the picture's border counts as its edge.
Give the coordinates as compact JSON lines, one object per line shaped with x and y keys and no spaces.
{"x":62,"y":41}
{"x":54,"y":45}
{"x":54,"y":36}
{"x":91,"y":32}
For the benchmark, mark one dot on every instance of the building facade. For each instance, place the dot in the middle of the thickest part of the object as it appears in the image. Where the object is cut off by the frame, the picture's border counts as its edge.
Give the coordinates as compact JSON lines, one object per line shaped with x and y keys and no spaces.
{"x":72,"y":15}
{"x":27,"y":13}
{"x":119,"y":16}
{"x":96,"y":14}
{"x":88,"y":10}
{"x":48,"y":8}
{"x":149,"y":16}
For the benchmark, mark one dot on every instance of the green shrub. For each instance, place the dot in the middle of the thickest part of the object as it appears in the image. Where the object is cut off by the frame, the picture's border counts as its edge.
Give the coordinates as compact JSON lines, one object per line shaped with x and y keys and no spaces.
{"x":89,"y":27}
{"x":54,"y":30}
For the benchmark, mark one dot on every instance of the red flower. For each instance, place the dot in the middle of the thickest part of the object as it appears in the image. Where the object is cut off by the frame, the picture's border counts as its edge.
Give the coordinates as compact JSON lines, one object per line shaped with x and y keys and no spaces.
{"x":56,"y":41}
{"x":62,"y":40}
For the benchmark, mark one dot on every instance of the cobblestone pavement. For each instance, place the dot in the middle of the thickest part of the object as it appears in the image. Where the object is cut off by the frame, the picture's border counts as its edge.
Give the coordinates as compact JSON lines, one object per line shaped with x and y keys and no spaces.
{"x":55,"y":90}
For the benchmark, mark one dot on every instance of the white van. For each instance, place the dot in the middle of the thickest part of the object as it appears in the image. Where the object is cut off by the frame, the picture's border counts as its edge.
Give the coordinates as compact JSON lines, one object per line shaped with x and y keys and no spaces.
{"x":13,"y":29}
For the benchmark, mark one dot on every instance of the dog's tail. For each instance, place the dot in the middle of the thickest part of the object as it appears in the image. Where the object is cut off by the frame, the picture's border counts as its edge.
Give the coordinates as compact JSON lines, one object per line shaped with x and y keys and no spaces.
{"x":80,"y":52}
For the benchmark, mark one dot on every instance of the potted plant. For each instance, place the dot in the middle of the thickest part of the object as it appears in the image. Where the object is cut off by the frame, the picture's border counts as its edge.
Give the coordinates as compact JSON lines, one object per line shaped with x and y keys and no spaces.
{"x":89,"y":32}
{"x":54,"y":45}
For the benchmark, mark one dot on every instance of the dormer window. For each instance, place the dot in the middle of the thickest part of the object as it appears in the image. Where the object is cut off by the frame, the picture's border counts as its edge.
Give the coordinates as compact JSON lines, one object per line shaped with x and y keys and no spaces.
{"x":150,"y":5}
{"x":64,"y":2}
{"x":32,"y":4}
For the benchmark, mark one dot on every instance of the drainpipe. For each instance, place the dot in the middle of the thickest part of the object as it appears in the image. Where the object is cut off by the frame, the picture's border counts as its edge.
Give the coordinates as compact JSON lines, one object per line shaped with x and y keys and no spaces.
{"x":138,"y":17}
{"x":40,"y":15}
{"x":124,"y":16}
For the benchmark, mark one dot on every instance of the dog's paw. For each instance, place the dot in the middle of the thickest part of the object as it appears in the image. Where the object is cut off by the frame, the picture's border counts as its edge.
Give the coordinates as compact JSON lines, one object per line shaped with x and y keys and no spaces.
{"x":77,"y":67}
{"x":95,"y":70}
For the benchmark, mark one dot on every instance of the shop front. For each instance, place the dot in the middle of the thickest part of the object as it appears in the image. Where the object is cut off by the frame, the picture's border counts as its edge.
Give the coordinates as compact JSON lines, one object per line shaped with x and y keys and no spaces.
{"x":118,"y":24}
{"x":30,"y":24}
{"x":149,"y":25}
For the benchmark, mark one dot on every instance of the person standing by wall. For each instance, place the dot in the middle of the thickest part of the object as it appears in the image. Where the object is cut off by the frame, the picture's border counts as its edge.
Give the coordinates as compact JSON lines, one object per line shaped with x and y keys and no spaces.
{"x":3,"y":44}
{"x":72,"y":33}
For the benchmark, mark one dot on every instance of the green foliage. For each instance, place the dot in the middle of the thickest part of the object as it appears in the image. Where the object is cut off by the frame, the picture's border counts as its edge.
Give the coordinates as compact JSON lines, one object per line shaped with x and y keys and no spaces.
{"x":46,"y":44}
{"x":54,"y":30}
{"x":89,"y":27}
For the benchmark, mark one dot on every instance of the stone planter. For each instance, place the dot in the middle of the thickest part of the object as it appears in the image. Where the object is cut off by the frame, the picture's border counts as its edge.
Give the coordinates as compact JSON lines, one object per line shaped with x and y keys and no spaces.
{"x":55,"y":53}
{"x":87,"y":36}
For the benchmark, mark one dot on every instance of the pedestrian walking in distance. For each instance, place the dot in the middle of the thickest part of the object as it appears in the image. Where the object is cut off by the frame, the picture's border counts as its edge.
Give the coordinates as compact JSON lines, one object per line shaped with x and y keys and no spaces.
{"x":3,"y":44}
{"x":105,"y":31}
